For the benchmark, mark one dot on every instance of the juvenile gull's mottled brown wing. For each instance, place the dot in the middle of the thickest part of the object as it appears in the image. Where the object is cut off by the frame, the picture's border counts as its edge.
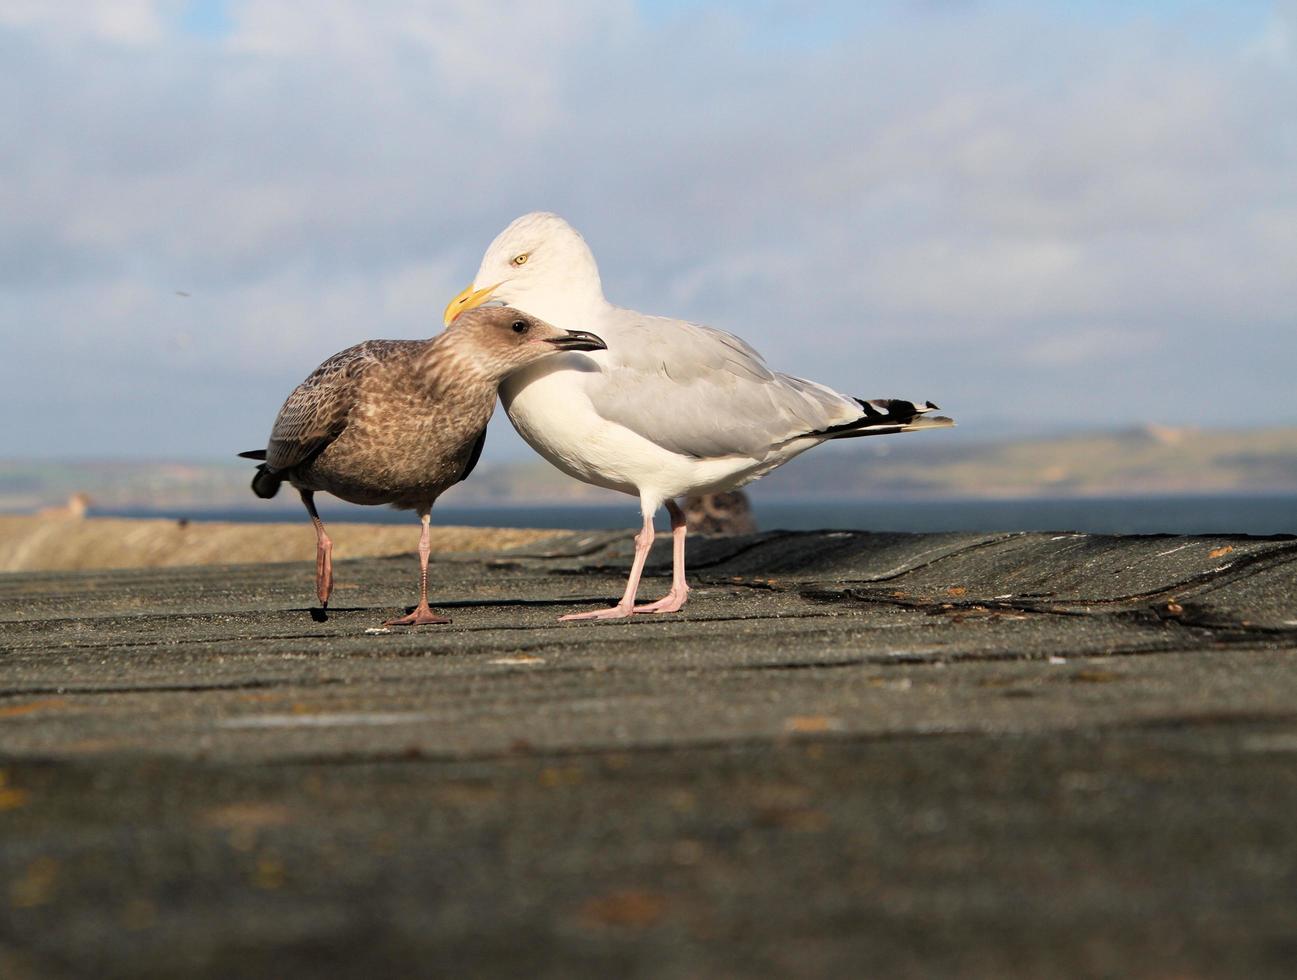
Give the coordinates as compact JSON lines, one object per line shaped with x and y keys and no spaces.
{"x":317,"y":411}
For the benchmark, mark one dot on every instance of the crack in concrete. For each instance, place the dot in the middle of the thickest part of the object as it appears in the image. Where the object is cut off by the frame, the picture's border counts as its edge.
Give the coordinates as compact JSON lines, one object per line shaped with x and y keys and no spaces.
{"x":251,"y":685}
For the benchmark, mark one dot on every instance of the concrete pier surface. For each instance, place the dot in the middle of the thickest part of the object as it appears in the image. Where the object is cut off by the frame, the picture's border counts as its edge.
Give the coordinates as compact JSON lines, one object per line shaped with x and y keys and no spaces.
{"x":1036,"y":755}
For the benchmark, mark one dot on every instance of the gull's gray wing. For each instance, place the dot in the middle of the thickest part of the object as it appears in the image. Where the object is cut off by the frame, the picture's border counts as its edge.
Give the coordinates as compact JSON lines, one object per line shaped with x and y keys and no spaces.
{"x":702,"y":392}
{"x":316,"y":412}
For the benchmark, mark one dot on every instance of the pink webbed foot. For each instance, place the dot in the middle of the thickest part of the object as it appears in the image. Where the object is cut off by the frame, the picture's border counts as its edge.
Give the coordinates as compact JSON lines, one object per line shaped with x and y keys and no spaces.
{"x":421,"y":616}
{"x":616,"y":612}
{"x":673,"y":601}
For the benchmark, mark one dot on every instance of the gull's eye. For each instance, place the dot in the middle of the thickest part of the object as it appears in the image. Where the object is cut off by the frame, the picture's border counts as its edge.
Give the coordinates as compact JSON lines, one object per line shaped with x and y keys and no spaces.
{"x":520,"y":259}
{"x":519,"y":326}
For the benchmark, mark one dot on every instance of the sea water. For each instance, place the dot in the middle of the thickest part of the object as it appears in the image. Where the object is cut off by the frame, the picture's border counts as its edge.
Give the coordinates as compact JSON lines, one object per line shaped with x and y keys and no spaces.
{"x":1214,"y":514}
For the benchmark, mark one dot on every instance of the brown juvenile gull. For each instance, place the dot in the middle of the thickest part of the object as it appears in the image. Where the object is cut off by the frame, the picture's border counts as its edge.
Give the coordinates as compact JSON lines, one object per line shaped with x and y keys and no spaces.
{"x":669,"y":409}
{"x":400,"y":421}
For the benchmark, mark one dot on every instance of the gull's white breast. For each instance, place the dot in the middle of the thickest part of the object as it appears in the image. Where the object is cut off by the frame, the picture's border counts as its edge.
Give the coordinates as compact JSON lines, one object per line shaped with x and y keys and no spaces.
{"x":550,"y":406}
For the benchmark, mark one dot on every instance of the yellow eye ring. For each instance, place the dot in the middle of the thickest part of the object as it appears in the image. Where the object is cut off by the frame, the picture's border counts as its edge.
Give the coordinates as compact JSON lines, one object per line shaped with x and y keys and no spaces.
{"x":521,"y":259}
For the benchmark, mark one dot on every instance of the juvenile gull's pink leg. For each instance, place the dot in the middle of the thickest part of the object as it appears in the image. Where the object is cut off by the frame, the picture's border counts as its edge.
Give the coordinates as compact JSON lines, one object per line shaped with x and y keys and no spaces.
{"x":643,"y":542}
{"x":679,"y":594}
{"x":423,"y":614}
{"x":323,"y":552}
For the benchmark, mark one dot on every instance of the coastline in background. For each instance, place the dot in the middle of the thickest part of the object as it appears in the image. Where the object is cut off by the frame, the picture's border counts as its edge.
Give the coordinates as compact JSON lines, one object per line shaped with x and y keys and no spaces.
{"x":1151,"y":479}
{"x":1148,"y":461}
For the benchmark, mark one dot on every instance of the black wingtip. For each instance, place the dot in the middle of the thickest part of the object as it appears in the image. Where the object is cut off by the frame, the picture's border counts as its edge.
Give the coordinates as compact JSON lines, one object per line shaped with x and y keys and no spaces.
{"x":897,"y":410}
{"x":885,"y":415}
{"x":253,"y":454}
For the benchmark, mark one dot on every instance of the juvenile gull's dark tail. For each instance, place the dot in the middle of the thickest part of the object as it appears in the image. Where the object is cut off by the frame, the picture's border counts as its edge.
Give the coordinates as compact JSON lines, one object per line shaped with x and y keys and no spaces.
{"x":265,"y":483}
{"x":884,"y":415}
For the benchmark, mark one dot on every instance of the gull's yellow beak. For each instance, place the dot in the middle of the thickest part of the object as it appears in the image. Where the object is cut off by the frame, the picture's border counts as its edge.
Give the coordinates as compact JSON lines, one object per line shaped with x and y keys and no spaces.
{"x":469,"y":299}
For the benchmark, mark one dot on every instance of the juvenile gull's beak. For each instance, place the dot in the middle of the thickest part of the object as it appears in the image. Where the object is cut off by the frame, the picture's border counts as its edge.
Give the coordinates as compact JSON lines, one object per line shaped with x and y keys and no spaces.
{"x":578,"y":340}
{"x":469,"y":299}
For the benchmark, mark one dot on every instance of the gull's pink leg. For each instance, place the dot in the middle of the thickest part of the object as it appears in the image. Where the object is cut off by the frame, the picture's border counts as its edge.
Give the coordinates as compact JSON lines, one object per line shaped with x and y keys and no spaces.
{"x":422,"y":614}
{"x":679,"y":594}
{"x":323,"y":552}
{"x":643,"y":542}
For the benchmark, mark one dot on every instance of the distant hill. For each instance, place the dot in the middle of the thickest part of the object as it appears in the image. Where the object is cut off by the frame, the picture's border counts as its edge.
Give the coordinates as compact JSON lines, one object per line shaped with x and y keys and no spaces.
{"x":1149,"y":460}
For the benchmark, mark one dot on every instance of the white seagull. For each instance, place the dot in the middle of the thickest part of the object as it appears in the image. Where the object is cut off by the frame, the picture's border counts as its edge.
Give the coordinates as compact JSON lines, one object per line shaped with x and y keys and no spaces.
{"x":671,"y":408}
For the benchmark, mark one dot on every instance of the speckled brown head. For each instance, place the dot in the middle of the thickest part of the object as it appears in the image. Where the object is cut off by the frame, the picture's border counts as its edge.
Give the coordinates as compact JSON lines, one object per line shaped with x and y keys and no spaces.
{"x":503,"y":340}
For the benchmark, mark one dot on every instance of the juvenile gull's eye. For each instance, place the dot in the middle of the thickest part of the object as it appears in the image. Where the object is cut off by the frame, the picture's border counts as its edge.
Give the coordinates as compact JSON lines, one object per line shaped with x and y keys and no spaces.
{"x":519,"y":326}
{"x":521,"y":259}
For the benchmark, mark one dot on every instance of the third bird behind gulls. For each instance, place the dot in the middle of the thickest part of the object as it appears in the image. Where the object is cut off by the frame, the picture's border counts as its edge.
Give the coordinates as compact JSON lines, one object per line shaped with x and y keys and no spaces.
{"x":671,"y":408}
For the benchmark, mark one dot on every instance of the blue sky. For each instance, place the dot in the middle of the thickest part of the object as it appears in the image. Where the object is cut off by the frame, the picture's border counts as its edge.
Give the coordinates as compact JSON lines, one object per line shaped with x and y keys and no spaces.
{"x":1040,"y":216}
{"x":206,"y":19}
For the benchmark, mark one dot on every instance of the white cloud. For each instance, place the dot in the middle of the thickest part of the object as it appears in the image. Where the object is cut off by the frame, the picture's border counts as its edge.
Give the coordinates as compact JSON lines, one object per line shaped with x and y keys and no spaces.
{"x":123,"y":21}
{"x":504,"y":61}
{"x":1088,"y":345}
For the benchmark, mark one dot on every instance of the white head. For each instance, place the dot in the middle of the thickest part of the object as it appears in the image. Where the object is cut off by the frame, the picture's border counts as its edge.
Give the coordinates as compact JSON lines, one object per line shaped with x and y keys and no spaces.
{"x":539,"y":264}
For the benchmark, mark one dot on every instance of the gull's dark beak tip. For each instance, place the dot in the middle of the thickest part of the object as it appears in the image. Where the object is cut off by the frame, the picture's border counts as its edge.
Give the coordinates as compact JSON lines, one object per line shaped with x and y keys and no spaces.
{"x":579,"y":340}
